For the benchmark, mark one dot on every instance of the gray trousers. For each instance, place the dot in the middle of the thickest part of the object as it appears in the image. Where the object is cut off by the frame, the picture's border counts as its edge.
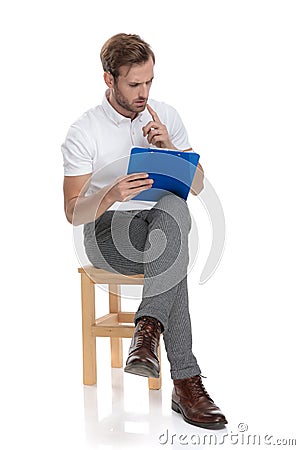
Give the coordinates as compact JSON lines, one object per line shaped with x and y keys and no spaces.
{"x":153,"y":242}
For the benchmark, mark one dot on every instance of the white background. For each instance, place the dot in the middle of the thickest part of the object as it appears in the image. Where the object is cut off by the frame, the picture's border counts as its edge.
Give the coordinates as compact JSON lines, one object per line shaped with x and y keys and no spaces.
{"x":232,"y":70}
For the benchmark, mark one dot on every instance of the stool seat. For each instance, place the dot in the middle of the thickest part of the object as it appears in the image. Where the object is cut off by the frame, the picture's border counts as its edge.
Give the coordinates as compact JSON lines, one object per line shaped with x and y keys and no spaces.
{"x":117,"y":324}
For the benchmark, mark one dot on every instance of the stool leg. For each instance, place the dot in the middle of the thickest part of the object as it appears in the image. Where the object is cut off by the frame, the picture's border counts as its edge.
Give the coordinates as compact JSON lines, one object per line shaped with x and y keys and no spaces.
{"x":116,"y":347}
{"x":88,"y":341}
{"x":155,"y":383}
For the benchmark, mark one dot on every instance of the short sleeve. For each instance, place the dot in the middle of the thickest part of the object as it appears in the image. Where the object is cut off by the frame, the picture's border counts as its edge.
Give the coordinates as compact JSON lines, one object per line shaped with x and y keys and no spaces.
{"x":77,"y":153}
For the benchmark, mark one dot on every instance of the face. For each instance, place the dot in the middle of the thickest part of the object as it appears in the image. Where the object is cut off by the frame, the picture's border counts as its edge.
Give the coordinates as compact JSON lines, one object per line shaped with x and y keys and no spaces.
{"x":129,"y":93}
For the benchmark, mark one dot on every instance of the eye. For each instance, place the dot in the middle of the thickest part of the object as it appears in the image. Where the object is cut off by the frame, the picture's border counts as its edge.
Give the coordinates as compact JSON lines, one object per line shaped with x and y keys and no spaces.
{"x":133,"y":84}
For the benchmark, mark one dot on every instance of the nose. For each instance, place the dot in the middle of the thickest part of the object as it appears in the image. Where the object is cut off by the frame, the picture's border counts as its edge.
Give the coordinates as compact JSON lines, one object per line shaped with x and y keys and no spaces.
{"x":144,"y":90}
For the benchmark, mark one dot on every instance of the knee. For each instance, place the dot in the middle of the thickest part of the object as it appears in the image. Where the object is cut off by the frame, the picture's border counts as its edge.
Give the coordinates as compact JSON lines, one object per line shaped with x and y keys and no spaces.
{"x":176,"y":207}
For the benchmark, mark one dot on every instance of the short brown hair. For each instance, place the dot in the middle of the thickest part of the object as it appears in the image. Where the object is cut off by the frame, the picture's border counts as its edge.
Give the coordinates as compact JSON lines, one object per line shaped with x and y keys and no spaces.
{"x":124,"y":50}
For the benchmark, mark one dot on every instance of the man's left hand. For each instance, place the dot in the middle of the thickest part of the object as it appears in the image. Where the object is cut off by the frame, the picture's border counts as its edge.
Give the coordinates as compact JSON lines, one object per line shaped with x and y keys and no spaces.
{"x":156,"y":132}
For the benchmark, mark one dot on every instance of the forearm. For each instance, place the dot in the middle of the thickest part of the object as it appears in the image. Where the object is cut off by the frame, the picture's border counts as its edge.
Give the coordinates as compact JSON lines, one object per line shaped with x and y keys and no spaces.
{"x":83,"y":210}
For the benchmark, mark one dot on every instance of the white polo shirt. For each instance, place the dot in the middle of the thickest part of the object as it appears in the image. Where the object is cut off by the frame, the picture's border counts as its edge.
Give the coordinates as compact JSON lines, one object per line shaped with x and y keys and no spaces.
{"x":99,"y":142}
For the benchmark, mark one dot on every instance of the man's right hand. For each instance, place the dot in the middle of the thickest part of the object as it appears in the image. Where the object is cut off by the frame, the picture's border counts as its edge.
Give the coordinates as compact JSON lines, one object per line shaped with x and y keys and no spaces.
{"x":126,"y":187}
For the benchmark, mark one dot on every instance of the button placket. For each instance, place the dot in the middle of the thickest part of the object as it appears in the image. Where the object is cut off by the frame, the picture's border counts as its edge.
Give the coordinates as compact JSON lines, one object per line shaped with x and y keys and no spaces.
{"x":132,"y":133}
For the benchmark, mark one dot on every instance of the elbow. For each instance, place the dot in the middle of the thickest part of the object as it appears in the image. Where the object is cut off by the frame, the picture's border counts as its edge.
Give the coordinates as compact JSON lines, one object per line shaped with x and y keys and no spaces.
{"x":74,"y":219}
{"x":198,"y":181}
{"x":69,"y":218}
{"x":197,"y":186}
{"x":72,"y":215}
{"x":200,"y":188}
{"x":69,"y":213}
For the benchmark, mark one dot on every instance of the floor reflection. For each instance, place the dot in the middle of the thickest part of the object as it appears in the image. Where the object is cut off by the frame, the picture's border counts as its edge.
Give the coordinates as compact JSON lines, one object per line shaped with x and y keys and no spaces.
{"x":117,"y":425}
{"x":123,"y":413}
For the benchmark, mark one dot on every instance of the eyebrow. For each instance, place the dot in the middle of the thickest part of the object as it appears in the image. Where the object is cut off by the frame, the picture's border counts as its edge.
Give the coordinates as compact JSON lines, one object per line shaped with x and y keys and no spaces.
{"x":137,"y":82}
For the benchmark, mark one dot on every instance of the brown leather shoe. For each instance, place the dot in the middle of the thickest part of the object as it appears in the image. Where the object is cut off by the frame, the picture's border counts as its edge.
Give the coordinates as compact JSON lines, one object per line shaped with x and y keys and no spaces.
{"x":191,"y":399}
{"x":143,"y":359}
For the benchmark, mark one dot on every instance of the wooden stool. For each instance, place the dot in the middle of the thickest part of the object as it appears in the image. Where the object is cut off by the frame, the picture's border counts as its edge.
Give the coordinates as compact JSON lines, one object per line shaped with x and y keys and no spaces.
{"x":115,"y":325}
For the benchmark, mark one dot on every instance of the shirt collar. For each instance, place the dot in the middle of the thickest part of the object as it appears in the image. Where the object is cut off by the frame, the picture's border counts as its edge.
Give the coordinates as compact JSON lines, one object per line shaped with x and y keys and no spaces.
{"x":116,"y":117}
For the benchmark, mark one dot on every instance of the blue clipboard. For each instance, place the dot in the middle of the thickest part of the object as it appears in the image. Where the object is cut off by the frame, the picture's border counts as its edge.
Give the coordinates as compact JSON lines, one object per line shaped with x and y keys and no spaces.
{"x":172,"y":171}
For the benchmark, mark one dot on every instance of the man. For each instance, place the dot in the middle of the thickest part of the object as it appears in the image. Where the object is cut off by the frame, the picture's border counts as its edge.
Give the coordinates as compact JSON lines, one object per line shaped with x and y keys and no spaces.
{"x":128,"y":236}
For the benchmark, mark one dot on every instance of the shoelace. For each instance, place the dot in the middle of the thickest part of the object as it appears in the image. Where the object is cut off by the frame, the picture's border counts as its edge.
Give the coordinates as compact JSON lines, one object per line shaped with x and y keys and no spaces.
{"x":146,"y":335}
{"x":197,"y":388}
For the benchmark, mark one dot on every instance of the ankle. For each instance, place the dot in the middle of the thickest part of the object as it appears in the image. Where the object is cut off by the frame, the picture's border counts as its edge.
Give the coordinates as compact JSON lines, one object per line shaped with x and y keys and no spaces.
{"x":151,"y":320}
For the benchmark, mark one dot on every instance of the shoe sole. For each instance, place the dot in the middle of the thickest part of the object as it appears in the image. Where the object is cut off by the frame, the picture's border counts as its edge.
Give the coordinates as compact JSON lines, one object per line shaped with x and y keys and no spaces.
{"x":210,"y":426}
{"x":141,"y":369}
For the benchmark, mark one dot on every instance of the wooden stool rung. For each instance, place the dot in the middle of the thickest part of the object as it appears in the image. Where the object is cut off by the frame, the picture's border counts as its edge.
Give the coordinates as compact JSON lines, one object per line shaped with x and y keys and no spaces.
{"x":119,"y":331}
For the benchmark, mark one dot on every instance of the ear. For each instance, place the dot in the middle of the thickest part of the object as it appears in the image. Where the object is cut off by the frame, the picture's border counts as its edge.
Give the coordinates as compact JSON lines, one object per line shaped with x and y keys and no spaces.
{"x":109,"y":79}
